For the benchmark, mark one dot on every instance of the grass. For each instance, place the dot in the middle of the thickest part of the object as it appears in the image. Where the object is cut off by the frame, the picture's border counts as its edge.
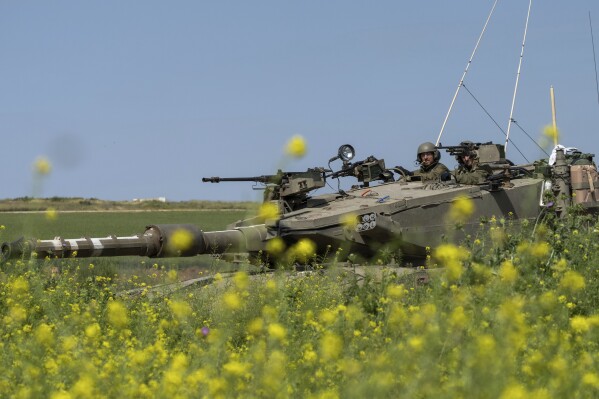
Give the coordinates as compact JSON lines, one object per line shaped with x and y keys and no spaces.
{"x":94,"y":204}
{"x":104,"y":223}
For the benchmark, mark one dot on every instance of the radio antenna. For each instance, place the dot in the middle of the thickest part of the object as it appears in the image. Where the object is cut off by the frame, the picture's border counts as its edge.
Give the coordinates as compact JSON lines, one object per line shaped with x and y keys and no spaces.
{"x":594,"y":58}
{"x":509,"y":125}
{"x":465,"y":72}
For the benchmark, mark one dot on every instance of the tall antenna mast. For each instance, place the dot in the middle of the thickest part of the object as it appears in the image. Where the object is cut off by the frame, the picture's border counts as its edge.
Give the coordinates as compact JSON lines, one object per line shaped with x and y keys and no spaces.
{"x":553,"y":116}
{"x":465,"y":72}
{"x":594,"y":58}
{"x":509,"y":125}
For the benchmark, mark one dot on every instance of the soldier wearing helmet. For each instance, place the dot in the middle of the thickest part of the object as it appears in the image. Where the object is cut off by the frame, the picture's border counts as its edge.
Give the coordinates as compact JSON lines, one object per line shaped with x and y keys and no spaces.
{"x":431,"y":169}
{"x":469,"y":170}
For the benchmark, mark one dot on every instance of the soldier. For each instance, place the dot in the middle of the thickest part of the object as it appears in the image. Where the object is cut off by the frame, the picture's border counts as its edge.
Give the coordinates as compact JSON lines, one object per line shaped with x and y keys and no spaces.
{"x":431,"y":169}
{"x":469,"y":170}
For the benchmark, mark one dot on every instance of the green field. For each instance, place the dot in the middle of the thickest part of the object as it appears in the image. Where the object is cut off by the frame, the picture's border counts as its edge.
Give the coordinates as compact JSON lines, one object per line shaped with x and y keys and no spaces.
{"x":104,"y":223}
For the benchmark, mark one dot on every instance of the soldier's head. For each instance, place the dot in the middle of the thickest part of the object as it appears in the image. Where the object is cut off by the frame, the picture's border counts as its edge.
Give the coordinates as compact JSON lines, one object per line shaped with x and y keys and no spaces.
{"x":468,"y":157}
{"x":427,"y":154}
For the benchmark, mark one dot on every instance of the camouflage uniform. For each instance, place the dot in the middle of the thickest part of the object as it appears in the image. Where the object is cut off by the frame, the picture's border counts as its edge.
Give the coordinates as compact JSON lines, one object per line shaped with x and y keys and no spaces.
{"x":476,"y":174}
{"x":431,"y":172}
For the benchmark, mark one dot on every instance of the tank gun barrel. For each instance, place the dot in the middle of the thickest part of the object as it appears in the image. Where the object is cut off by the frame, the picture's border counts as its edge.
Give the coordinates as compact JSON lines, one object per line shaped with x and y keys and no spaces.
{"x":157,"y":241}
{"x":258,"y":179}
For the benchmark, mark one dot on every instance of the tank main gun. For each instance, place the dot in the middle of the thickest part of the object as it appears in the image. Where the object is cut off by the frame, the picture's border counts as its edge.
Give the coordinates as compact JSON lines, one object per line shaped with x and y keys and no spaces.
{"x":157,"y":241}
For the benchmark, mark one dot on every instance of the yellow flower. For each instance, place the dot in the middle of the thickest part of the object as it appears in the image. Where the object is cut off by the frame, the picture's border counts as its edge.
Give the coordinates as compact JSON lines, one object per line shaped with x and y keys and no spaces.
{"x":486,"y":345}
{"x":20,"y":287}
{"x":61,"y":395}
{"x":508,"y":272}
{"x":172,"y":276}
{"x":236,"y":368}
{"x":416,"y":343}
{"x":271,"y":286}
{"x":181,"y":310}
{"x":277,"y":331}
{"x":268,"y":211}
{"x":327,"y":316}
{"x":449,"y":252}
{"x":572,"y":282}
{"x":458,"y":317}
{"x":351,"y":367}
{"x":69,"y":343}
{"x":551,"y":133}
{"x":84,"y":387}
{"x":117,"y":314}
{"x":275,"y":246}
{"x":591,"y":379}
{"x":548,"y":300}
{"x":139,"y":357}
{"x":232,"y":301}
{"x":44,"y":335}
{"x":331,"y":346}
{"x":396,"y":291}
{"x":515,"y":391}
{"x":181,"y":240}
{"x":498,"y":236}
{"x":51,"y":214}
{"x":561,"y":265}
{"x":42,"y":166}
{"x":310,"y":355}
{"x":579,"y":324}
{"x":349,"y":221}
{"x":92,"y":331}
{"x":540,"y":250}
{"x":451,"y":257}
{"x":241,"y":280}
{"x":255,"y":326}
{"x":179,"y":362}
{"x":304,"y":249}
{"x":461,"y":209}
{"x":397,"y":316}
{"x":195,"y":378}
{"x":18,"y":313}
{"x":296,"y":147}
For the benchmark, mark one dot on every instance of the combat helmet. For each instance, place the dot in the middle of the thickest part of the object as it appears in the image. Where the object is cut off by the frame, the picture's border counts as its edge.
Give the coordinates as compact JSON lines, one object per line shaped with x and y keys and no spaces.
{"x":471,"y":152}
{"x":428,"y":147}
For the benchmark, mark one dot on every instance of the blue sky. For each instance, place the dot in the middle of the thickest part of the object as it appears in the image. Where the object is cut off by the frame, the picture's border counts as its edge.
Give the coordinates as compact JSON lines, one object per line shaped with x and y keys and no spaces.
{"x":137,"y":99}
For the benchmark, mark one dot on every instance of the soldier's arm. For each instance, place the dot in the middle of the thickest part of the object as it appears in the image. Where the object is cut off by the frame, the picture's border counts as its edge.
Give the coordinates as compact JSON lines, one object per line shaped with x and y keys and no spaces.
{"x":474,"y":177}
{"x":440,"y":170}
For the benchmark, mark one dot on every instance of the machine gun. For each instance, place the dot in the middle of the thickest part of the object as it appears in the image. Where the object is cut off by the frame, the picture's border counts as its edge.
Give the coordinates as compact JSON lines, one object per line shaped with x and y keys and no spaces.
{"x":486,"y":153}
{"x":464,"y":148}
{"x":366,"y":171}
{"x":289,"y":188}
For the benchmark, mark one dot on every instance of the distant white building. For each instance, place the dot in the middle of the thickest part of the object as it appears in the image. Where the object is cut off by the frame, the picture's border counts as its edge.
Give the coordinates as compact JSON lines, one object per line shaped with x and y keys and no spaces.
{"x":159,"y":199}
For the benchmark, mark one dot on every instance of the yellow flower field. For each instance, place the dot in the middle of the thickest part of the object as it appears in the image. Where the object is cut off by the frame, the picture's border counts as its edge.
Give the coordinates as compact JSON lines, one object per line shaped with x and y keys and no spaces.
{"x":499,"y":320}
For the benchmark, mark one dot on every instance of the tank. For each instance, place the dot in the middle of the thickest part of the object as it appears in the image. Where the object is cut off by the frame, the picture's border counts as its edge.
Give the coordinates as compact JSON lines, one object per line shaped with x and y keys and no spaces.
{"x":384,"y":211}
